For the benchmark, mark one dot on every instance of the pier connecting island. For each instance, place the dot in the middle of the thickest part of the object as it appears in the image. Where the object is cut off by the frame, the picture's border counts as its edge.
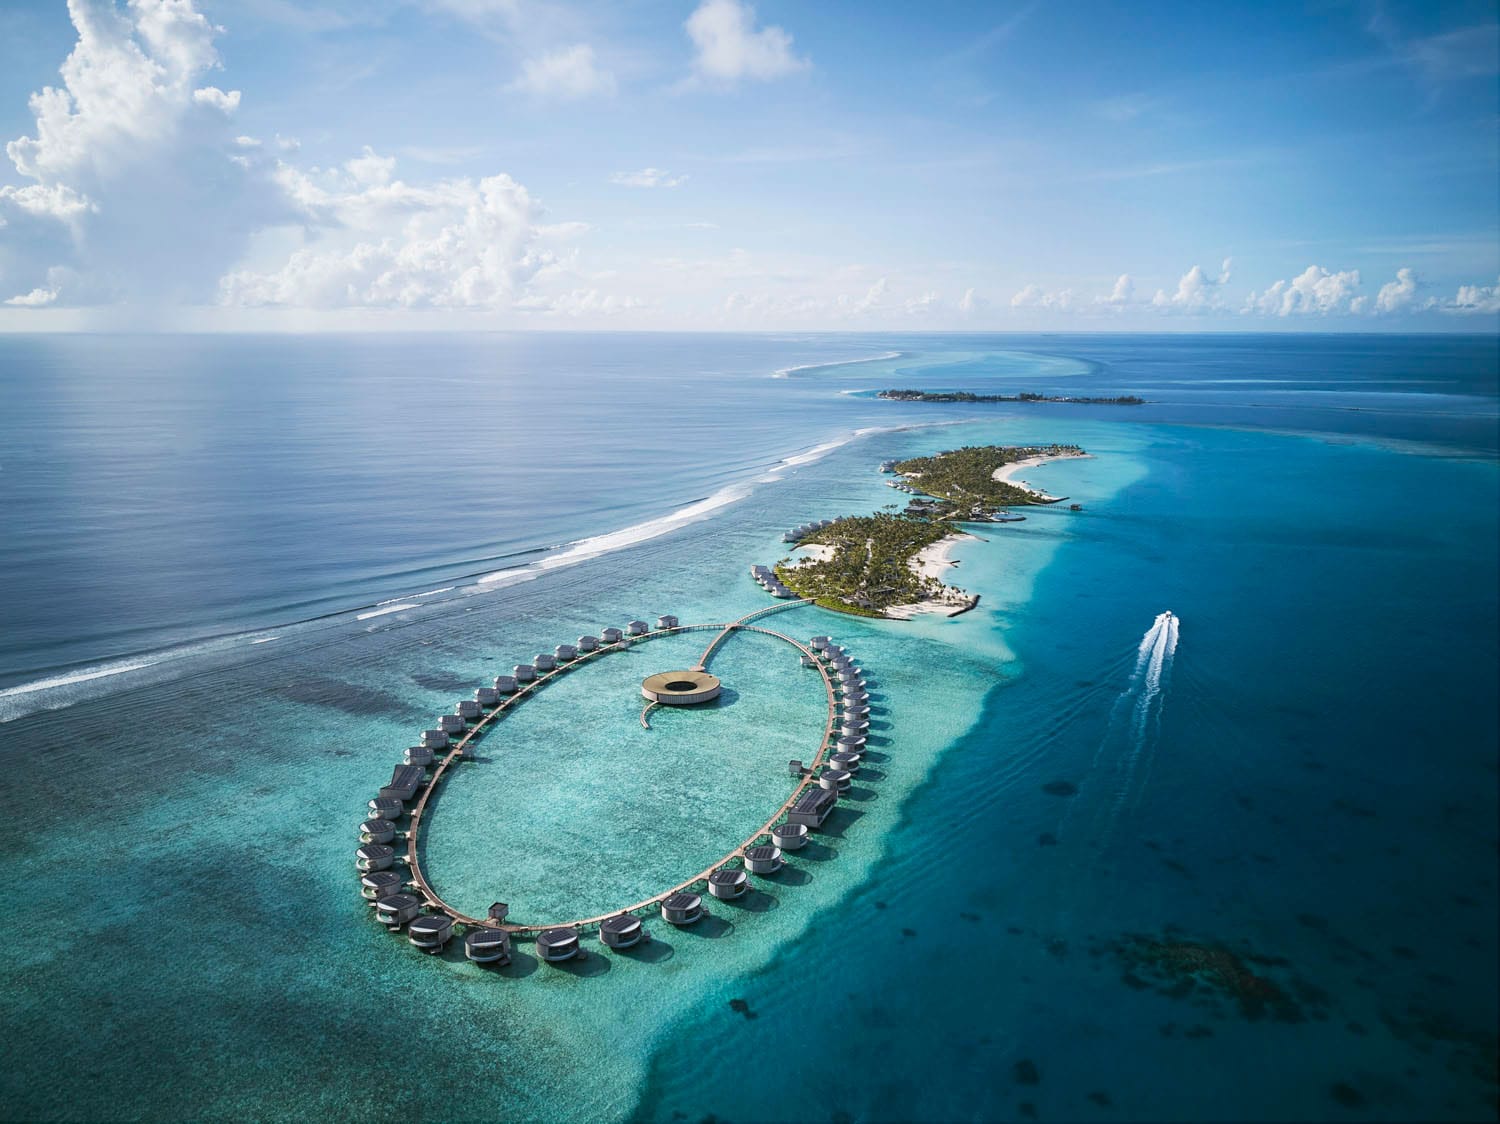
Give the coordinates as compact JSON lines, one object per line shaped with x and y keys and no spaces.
{"x":405,"y":897}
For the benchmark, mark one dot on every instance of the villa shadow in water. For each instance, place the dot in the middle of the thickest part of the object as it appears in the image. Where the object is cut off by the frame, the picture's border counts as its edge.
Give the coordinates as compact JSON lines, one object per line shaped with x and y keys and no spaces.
{"x":791,"y":876}
{"x":586,"y":965}
{"x":654,"y":951}
{"x":522,"y":964}
{"x":757,"y":901}
{"x":711,"y":927}
{"x":840,"y":820}
{"x":817,"y":852}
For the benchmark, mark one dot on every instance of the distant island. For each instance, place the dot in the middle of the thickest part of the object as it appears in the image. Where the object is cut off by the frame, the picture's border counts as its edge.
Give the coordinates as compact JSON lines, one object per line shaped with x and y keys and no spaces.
{"x":889,"y":564}
{"x":969,"y":396}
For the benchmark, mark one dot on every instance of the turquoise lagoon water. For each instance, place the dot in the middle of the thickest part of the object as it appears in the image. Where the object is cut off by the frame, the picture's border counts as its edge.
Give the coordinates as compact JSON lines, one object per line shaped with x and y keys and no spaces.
{"x":1304,"y":777}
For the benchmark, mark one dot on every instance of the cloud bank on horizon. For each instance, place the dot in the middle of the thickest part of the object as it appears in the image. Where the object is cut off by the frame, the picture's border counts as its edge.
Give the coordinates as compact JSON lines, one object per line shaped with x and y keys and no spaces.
{"x":343,"y":163}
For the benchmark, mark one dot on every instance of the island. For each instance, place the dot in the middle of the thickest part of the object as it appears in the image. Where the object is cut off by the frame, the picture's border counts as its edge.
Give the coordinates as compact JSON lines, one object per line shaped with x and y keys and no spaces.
{"x":890,"y":564}
{"x":873,"y":565}
{"x":969,"y":396}
{"x":974,"y":484}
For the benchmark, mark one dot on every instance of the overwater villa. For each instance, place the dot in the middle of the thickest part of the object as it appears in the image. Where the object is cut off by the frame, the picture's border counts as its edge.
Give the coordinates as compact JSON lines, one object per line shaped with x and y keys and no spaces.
{"x":487,"y":946}
{"x":623,"y":931}
{"x":790,"y":836}
{"x":682,"y":908}
{"x":556,"y":945}
{"x":395,"y":910}
{"x":728,"y":883}
{"x":430,"y":932}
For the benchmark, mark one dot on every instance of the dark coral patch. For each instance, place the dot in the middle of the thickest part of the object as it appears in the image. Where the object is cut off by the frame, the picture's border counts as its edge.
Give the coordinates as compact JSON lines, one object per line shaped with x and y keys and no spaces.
{"x":1347,"y":1095}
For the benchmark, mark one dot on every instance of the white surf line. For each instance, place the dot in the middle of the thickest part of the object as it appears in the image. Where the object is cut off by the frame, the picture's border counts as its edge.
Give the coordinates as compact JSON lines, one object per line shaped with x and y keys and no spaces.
{"x":787,"y":372}
{"x":389,"y":608}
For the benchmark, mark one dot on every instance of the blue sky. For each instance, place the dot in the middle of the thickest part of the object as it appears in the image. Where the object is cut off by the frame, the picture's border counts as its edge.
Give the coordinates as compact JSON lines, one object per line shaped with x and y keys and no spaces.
{"x":713,"y":164}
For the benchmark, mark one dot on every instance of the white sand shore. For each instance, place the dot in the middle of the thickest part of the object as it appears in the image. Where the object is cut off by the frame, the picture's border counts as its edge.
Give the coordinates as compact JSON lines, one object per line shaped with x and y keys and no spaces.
{"x":934,"y":562}
{"x":1006,"y":472}
{"x":815,"y":551}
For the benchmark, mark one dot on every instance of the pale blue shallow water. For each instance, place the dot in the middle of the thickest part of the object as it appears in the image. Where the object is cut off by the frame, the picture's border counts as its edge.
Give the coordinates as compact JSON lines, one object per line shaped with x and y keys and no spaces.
{"x":1308,"y":778}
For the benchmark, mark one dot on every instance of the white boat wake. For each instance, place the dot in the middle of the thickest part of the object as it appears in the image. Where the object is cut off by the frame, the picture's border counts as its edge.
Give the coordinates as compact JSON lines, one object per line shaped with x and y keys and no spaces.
{"x":1136,"y":718}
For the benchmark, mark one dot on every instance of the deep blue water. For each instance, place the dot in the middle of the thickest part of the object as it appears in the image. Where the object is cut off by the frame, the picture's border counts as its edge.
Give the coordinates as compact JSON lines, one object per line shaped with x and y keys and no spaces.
{"x":238,"y":573}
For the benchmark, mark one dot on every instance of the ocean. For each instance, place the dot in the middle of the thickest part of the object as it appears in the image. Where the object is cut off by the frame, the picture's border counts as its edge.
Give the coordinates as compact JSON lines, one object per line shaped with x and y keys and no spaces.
{"x":1193,"y":817}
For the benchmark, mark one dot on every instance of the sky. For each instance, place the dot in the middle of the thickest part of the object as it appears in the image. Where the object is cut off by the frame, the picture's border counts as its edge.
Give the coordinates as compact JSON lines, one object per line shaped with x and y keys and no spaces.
{"x":315,"y":165}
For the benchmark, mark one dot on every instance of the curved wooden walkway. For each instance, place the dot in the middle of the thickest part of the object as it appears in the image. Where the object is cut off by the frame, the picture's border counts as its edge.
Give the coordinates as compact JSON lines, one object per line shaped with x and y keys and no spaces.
{"x":414,"y":862}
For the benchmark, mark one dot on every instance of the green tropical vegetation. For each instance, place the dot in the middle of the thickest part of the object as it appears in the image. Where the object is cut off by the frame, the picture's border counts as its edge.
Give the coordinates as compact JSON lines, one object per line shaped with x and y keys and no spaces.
{"x":870,"y":567}
{"x":964,"y":479}
{"x":1024,"y":396}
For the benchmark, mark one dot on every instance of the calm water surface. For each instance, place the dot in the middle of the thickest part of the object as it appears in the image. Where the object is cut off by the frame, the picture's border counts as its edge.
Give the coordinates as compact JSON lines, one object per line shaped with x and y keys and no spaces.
{"x":240,"y":573}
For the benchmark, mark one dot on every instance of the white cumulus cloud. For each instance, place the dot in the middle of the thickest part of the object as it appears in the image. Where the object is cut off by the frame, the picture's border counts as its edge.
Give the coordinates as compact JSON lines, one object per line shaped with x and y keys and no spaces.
{"x":647,"y":177}
{"x":219,"y":99}
{"x":1315,"y":291}
{"x":1397,"y":295}
{"x":1197,"y":291}
{"x":1475,"y":298}
{"x":385,"y":243}
{"x":567,"y":74}
{"x":138,"y":188}
{"x":1035,"y":296}
{"x":141,"y":191}
{"x":729,"y":47}
{"x":1121,"y":295}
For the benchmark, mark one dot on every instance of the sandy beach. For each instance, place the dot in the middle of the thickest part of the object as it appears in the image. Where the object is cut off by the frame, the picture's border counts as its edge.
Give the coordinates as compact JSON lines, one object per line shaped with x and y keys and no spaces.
{"x":934,"y":562}
{"x":815,"y":552}
{"x":1005,"y":474}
